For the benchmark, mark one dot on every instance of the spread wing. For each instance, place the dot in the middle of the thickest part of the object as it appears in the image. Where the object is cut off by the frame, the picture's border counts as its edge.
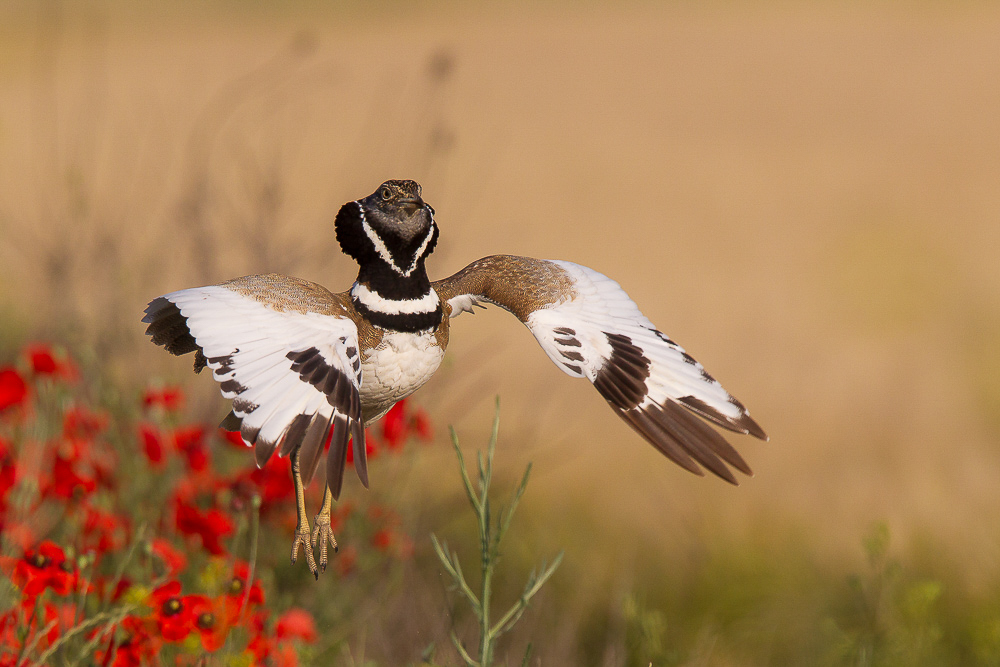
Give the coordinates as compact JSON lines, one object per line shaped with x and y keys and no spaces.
{"x":292,"y":374}
{"x":589,"y":327}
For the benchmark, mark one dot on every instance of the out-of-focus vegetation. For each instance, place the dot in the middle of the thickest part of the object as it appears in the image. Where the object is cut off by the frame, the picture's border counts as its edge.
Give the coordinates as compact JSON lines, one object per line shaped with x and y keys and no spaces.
{"x":803,"y":196}
{"x":131,"y":537}
{"x":493,"y":522}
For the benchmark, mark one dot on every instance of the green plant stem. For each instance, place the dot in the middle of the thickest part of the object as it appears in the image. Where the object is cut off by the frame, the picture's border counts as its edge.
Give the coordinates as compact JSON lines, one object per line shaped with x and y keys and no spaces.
{"x":533,"y":586}
{"x":490,"y":536}
{"x":255,"y":504}
{"x":485,"y":636}
{"x":107,"y":618}
{"x":469,"y":661}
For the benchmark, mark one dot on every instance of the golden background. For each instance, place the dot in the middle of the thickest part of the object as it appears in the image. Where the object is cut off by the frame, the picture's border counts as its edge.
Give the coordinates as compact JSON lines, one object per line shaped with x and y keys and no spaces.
{"x":804,"y":195}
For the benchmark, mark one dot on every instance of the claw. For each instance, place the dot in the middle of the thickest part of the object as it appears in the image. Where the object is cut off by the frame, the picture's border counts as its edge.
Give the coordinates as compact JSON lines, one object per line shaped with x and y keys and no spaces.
{"x":302,"y":539}
{"x":322,"y":536}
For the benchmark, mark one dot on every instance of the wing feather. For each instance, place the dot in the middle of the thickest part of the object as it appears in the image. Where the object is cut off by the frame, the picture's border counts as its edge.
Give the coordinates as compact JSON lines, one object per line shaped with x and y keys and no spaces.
{"x":288,"y":372}
{"x":589,"y":327}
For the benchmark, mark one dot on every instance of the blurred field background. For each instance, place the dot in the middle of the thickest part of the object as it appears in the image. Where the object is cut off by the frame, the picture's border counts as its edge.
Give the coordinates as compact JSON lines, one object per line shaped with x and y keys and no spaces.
{"x":804,"y":195}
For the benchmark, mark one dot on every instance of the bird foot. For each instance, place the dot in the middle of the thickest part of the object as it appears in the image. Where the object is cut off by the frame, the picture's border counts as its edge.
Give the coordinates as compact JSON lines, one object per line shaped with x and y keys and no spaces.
{"x":322,"y":536}
{"x":302,"y":539}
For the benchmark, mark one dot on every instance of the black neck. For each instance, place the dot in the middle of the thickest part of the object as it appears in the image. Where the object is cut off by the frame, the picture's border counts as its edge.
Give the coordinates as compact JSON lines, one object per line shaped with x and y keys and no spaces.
{"x":381,"y":278}
{"x":392,"y":272}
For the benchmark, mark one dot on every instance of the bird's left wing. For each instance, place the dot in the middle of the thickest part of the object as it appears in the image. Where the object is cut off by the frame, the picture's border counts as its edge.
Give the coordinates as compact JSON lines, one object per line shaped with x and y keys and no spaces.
{"x":285,"y":353}
{"x":589,"y":327}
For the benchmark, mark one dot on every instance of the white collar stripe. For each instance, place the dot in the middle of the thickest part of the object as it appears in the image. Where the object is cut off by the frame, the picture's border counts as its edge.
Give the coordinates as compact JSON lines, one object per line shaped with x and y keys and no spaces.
{"x":380,"y":248}
{"x":383,"y":251}
{"x":428,"y":303}
{"x":423,"y":247}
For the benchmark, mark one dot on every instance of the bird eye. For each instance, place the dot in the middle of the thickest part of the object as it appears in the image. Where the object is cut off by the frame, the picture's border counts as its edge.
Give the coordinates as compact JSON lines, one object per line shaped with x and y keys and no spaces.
{"x":385,"y":193}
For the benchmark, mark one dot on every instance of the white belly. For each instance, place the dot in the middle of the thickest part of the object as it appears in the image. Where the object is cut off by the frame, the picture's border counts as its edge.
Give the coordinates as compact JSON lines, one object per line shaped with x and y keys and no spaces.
{"x":399,"y":366}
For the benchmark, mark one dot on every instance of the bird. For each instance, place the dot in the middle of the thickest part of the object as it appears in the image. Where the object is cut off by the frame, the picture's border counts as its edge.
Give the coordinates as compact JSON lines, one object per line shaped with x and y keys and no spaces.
{"x":302,"y":364}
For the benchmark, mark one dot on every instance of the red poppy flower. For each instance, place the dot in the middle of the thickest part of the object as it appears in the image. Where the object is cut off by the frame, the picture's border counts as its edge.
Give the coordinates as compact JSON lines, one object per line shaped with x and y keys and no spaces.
{"x":395,"y":428}
{"x":74,"y":448}
{"x":237,"y":592}
{"x":285,"y":656}
{"x":104,"y":468}
{"x":9,"y":623}
{"x":233,"y":438}
{"x":67,"y":482}
{"x":103,"y":531}
{"x":174,"y":560}
{"x":261,"y":646}
{"x":44,"y":567}
{"x":171,"y":614}
{"x":25,"y":625}
{"x":169,"y":398}
{"x":44,"y":362}
{"x":296,"y":624}
{"x":138,"y":648}
{"x":79,"y":422}
{"x":210,"y":620}
{"x":41,"y":360}
{"x":211,"y":525}
{"x":62,"y":615}
{"x":8,"y":475}
{"x":371,"y":447}
{"x":190,"y":441}
{"x":264,"y":649}
{"x":274,"y":480}
{"x":13,"y":389}
{"x":422,"y":425}
{"x":152,"y":444}
{"x":382,"y":539}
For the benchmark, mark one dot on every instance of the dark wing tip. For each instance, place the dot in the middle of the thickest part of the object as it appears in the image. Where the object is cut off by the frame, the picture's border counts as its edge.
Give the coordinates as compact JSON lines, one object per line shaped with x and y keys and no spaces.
{"x":644,"y":426}
{"x":262,"y":450}
{"x":342,"y":395}
{"x":336,"y":458}
{"x":290,"y":440}
{"x":358,"y":435}
{"x":744,"y":424}
{"x":155,"y":306}
{"x":753,"y":428}
{"x":231,"y":422}
{"x":167,"y":327}
{"x":686,"y":440}
{"x":361,"y":457}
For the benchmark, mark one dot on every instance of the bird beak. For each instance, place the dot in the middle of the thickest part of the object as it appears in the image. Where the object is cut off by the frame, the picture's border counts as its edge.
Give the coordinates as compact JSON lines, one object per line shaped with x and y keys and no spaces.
{"x":412,"y":202}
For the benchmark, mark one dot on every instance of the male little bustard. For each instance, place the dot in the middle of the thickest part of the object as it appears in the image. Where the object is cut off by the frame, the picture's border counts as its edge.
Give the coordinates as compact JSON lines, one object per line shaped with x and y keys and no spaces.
{"x":298,"y":360}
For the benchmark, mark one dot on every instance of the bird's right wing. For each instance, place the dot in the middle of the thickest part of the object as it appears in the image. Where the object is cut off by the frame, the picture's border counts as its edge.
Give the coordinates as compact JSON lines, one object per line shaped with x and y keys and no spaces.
{"x":286,"y":357}
{"x":589,"y":327}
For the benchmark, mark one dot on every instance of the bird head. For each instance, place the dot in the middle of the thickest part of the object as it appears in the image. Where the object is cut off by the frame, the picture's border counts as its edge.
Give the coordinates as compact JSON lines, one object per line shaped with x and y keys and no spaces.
{"x":392,"y":224}
{"x":396,"y":210}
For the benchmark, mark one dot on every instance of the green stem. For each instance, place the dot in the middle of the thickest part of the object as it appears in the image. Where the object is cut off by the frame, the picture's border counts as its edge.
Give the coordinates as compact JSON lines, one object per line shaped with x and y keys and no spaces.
{"x":490,"y":536}
{"x":107,"y":618}
{"x":485,"y":636}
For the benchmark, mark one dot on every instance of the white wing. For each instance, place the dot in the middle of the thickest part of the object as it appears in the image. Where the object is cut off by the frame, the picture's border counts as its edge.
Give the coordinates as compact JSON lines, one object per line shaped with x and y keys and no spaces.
{"x":589,"y":327}
{"x":291,"y":375}
{"x":599,"y":333}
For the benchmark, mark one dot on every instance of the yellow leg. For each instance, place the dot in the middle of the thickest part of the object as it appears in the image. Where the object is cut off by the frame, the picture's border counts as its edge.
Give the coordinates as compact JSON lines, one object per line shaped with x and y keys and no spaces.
{"x":302,"y":529}
{"x":322,"y":535}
